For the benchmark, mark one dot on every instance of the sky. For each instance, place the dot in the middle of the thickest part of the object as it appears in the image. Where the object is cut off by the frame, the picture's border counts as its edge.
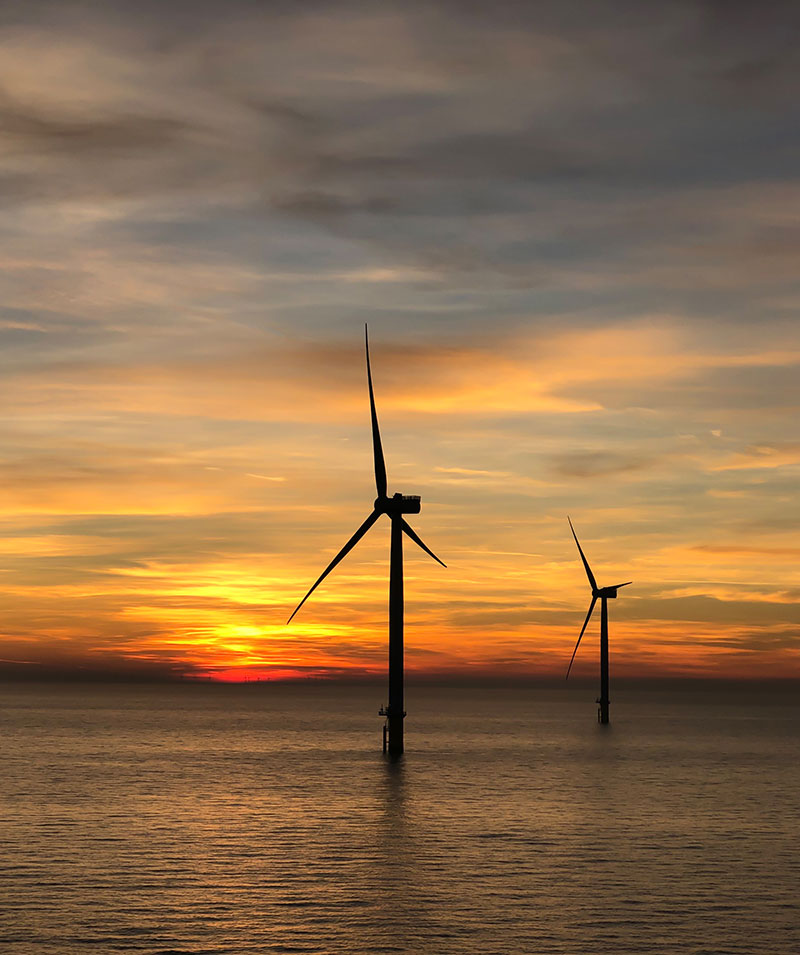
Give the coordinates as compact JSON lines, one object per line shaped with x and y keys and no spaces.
{"x":572,"y":228}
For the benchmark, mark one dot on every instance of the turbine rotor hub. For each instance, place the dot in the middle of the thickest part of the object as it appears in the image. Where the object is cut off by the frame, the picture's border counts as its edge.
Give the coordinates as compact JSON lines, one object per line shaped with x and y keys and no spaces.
{"x":398,"y":504}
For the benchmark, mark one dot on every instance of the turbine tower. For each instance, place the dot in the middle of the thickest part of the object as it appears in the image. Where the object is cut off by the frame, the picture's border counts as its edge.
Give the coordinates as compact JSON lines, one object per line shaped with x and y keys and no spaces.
{"x":604,"y":594}
{"x":394,"y":507}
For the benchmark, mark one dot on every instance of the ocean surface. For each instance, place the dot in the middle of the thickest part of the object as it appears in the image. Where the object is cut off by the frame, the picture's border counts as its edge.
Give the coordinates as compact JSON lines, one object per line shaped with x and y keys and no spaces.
{"x":263,"y":818}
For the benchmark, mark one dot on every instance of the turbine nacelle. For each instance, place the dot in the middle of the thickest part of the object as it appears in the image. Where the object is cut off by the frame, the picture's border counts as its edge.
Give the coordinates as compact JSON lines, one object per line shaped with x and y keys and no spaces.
{"x":398,"y":504}
{"x":608,"y":592}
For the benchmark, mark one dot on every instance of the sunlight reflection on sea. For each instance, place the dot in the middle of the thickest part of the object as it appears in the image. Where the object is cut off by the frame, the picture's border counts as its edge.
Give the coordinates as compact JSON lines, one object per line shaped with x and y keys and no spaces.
{"x":264,"y":819}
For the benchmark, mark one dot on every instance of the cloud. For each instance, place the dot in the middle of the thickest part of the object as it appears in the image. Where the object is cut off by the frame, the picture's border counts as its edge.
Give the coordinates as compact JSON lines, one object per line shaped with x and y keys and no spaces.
{"x":593,"y":464}
{"x":749,"y":550}
{"x":763,"y":456}
{"x":571,"y":229}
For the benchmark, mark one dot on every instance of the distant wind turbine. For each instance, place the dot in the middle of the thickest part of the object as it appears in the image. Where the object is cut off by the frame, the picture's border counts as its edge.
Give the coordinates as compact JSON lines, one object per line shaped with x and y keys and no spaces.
{"x":605,"y":594}
{"x":394,"y":507}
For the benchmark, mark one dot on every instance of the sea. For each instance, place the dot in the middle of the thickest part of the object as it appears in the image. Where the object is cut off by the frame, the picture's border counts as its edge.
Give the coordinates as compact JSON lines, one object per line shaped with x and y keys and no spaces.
{"x":264,"y":818}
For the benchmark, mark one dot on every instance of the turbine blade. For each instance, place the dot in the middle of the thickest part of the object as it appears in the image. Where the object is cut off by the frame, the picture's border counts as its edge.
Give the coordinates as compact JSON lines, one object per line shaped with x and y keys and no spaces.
{"x":591,"y":608}
{"x":377,"y":448}
{"x":589,"y":573}
{"x":617,"y":586}
{"x":342,"y":553}
{"x":417,"y":540}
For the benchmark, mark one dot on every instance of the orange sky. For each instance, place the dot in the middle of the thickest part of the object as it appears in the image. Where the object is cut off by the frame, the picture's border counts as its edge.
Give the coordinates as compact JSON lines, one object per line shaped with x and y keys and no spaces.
{"x":124,"y":546}
{"x":579,"y":266}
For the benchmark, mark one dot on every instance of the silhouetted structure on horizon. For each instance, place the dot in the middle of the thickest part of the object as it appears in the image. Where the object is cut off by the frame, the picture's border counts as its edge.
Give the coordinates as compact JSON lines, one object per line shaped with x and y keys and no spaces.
{"x":604,"y":594}
{"x":395,"y":507}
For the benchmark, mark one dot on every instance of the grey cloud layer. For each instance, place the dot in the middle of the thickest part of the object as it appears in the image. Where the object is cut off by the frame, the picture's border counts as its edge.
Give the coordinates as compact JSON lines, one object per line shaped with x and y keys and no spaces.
{"x":415,"y":132}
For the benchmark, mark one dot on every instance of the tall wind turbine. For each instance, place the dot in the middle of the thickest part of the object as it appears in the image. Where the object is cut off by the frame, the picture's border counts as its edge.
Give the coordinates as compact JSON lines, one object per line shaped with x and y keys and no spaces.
{"x":604,"y":594}
{"x":394,"y":507}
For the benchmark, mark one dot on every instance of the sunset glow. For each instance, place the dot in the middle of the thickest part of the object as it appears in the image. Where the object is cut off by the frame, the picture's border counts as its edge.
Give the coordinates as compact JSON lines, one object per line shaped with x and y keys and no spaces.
{"x":188,"y":264}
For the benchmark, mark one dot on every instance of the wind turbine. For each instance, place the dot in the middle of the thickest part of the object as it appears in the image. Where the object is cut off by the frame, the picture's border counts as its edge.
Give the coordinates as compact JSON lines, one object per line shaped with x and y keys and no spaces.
{"x":604,"y":594}
{"x":394,"y":507}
